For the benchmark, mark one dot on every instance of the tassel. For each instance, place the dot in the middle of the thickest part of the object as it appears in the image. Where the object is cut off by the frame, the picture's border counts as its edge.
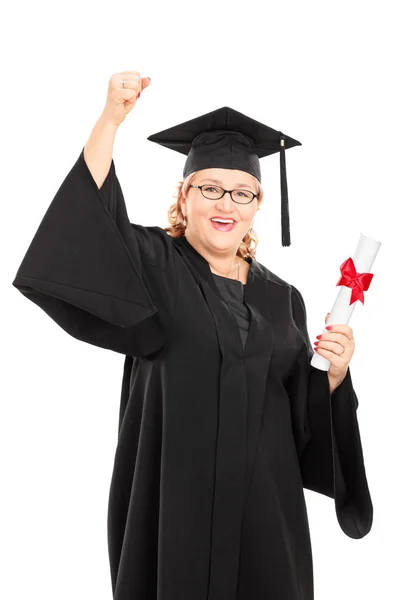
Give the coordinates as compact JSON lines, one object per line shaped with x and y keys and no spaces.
{"x":285,"y":225}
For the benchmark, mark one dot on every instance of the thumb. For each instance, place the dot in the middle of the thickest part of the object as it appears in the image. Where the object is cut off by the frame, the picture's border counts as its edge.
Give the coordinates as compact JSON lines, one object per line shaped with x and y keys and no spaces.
{"x":327,"y":316}
{"x":145,"y":82}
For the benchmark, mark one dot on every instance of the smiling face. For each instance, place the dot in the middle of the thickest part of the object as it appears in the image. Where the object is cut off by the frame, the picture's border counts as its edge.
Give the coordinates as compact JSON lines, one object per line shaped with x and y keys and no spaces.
{"x":199,"y":210}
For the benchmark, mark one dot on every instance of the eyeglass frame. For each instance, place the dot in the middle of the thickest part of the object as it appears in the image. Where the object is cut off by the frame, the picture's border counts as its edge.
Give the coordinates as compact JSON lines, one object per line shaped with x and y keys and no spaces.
{"x":225,"y":191}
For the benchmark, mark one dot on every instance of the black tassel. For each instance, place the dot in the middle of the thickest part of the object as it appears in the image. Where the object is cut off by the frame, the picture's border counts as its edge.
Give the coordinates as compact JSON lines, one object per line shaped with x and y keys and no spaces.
{"x":285,"y":225}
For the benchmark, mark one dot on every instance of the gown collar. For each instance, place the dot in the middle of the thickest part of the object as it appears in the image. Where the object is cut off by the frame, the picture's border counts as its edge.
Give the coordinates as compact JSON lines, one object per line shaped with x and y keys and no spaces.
{"x":203,"y":267}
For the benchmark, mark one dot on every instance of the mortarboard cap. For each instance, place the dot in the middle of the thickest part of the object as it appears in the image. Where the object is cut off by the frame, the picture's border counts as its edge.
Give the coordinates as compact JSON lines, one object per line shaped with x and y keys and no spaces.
{"x":228,"y":139}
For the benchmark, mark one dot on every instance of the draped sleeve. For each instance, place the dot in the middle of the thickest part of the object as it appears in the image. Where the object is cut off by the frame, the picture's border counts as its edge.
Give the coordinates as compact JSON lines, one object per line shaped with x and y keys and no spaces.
{"x":327,"y":437}
{"x":93,"y":272}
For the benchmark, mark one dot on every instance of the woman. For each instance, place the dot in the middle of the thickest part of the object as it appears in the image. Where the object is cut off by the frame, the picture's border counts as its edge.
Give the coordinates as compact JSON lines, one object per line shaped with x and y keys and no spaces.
{"x":223,"y":421}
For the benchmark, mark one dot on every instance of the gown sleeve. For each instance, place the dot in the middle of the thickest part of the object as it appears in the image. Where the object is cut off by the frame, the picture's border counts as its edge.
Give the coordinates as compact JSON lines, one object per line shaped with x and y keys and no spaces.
{"x":327,"y":437}
{"x":88,"y":267}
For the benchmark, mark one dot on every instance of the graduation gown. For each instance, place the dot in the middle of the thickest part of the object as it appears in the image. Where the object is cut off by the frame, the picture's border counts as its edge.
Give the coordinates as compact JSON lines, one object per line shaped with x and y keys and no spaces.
{"x":216,"y":439}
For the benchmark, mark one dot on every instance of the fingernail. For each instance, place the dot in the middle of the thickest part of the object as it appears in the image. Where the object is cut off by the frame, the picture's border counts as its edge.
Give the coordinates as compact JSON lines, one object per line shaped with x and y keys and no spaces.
{"x":319,"y":337}
{"x":329,"y":327}
{"x":138,"y":95}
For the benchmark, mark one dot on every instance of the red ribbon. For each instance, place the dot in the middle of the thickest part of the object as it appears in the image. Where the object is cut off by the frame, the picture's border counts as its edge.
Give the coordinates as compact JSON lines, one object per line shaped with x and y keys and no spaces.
{"x":359,"y":282}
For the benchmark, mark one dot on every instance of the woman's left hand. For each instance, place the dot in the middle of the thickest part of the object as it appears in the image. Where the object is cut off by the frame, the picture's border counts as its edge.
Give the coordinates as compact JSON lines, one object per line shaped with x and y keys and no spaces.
{"x":337,"y":345}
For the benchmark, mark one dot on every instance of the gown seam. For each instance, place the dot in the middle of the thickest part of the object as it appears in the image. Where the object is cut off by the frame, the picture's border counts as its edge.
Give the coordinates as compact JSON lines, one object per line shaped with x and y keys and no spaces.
{"x":77,"y":288}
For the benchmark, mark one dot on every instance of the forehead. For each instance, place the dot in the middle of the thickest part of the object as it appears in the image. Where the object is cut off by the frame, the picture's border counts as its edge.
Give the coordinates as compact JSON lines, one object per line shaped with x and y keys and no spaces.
{"x":234,"y":177}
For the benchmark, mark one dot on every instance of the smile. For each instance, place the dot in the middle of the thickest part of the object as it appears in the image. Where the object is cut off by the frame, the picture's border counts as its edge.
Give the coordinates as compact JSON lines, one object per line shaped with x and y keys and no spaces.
{"x":222,"y":226}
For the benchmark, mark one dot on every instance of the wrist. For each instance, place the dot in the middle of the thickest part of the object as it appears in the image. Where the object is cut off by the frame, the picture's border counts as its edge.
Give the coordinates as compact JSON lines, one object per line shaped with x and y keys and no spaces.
{"x":106,"y":124}
{"x":334,"y":383}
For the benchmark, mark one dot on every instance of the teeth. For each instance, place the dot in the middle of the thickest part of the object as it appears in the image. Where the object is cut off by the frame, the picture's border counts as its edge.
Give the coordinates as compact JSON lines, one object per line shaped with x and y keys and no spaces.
{"x":222,"y":221}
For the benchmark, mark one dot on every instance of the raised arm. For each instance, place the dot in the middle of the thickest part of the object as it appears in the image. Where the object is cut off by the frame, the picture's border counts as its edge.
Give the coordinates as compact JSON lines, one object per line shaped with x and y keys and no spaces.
{"x":84,"y":266}
{"x":98,"y":151}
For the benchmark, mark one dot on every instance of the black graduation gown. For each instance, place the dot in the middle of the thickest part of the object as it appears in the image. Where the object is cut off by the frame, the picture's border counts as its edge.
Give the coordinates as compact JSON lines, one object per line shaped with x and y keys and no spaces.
{"x":216,"y":440}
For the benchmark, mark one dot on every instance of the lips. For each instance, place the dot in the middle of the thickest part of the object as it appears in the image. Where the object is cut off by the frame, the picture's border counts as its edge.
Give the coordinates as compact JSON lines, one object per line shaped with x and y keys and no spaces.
{"x":223,"y":226}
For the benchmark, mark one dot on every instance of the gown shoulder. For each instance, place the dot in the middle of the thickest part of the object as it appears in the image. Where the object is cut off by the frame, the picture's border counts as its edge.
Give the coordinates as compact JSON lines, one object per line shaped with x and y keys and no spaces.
{"x":104,"y":280}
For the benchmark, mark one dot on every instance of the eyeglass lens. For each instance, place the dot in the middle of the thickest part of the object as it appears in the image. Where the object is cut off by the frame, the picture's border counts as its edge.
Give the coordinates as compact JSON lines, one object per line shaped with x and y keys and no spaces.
{"x":215,"y":192}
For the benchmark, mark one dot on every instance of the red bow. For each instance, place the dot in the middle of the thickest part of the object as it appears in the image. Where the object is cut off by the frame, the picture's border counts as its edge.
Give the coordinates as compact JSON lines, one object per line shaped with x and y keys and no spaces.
{"x":359,"y":282}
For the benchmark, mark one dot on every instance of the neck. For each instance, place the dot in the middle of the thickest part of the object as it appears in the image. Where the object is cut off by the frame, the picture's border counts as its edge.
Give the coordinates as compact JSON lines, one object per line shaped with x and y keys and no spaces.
{"x":225,"y":263}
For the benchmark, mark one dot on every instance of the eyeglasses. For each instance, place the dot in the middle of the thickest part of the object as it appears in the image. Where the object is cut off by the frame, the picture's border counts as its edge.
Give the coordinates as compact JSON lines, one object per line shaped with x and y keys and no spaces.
{"x":213,"y":192}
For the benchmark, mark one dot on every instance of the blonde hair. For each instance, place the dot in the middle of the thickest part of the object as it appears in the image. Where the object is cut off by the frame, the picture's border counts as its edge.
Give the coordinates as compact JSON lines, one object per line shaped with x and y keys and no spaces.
{"x":248,"y":245}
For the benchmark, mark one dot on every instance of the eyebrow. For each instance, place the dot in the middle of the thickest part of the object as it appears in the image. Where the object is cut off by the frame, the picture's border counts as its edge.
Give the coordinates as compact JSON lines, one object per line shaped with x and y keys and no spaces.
{"x":247,"y":185}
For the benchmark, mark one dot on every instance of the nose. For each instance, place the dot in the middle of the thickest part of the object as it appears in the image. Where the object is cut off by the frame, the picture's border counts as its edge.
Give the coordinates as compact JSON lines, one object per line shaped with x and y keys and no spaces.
{"x":226,"y":202}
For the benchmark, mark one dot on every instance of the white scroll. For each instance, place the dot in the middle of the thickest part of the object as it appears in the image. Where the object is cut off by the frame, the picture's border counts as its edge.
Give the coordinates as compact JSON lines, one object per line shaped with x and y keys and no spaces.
{"x":355,"y":279}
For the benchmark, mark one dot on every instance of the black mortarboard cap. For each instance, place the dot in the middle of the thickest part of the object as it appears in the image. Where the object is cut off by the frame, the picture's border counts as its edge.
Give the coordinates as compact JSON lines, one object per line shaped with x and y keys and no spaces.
{"x":228,"y":139}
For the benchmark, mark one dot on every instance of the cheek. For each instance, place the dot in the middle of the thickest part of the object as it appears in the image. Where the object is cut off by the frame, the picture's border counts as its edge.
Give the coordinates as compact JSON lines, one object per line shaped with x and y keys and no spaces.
{"x":247,"y":218}
{"x":199,"y":211}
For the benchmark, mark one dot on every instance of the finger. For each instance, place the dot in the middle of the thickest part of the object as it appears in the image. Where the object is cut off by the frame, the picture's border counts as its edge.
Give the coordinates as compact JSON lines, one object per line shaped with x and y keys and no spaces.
{"x":128,"y":96}
{"x":130,"y":79}
{"x":129,"y":84}
{"x":333,"y":357}
{"x":130,"y":76}
{"x":336,"y":337}
{"x":335,"y":347}
{"x":342,"y":328}
{"x":145,"y":82}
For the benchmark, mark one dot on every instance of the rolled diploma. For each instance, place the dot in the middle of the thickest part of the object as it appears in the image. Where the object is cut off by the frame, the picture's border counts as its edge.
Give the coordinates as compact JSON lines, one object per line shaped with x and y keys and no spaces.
{"x":363,"y":259}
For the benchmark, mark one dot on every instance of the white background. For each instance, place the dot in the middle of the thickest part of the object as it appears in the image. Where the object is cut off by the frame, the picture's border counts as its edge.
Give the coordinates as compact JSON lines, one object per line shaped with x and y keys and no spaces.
{"x":324,"y":73}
